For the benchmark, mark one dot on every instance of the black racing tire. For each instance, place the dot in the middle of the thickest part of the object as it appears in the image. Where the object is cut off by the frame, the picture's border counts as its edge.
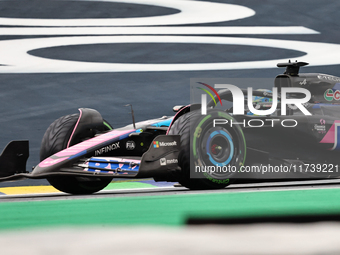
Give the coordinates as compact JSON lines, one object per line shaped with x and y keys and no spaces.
{"x":186,"y":159}
{"x":56,"y":139}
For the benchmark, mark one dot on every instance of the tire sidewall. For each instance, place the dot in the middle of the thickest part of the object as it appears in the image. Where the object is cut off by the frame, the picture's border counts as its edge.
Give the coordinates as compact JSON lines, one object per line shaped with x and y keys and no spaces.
{"x":205,"y":134}
{"x":189,"y":126}
{"x":56,"y":139}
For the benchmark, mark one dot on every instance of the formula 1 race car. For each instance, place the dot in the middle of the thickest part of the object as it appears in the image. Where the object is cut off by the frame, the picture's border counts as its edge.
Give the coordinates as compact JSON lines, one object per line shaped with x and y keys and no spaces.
{"x":81,"y":153}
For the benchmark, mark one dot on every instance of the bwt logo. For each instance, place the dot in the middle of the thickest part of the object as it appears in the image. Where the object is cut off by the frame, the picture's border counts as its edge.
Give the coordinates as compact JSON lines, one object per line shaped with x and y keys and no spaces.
{"x":238,"y":99}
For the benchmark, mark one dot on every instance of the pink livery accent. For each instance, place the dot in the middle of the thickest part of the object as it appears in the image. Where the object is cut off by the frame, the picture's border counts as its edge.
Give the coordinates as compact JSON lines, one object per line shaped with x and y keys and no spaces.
{"x":50,"y":161}
{"x":75,"y":127}
{"x":330,"y":136}
{"x":114,"y":159}
{"x":174,"y":118}
{"x":91,"y":142}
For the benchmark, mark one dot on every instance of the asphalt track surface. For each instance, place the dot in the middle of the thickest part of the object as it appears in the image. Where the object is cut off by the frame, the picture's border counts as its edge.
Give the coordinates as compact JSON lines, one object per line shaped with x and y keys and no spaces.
{"x":173,"y":190}
{"x":156,"y":223}
{"x":31,"y":101}
{"x":109,"y":60}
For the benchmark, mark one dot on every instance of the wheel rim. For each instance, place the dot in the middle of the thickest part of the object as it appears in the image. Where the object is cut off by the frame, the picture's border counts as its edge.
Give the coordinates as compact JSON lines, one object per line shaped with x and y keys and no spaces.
{"x":220,"y":147}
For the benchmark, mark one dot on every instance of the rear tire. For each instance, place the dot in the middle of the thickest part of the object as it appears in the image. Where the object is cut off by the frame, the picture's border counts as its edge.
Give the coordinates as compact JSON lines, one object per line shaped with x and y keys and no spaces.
{"x":56,"y":139}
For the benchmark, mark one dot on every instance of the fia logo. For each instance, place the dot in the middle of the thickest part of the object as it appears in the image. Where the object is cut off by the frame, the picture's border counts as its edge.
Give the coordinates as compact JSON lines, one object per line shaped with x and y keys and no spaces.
{"x":130,"y":145}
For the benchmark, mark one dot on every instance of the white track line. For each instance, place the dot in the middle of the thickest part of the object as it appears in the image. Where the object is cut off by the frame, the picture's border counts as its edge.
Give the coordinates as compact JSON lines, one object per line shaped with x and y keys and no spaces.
{"x":256,"y":30}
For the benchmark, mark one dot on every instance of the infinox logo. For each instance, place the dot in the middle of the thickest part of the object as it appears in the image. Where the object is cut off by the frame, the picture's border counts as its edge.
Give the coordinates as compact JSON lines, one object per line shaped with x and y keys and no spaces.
{"x":238,"y":100}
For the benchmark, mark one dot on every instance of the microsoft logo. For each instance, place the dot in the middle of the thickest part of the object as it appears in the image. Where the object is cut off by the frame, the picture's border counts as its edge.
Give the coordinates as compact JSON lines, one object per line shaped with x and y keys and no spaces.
{"x":156,"y":144}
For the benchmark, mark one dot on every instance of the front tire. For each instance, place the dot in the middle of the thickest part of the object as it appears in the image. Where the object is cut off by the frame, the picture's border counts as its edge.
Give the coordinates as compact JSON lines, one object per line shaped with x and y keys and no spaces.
{"x":55,"y":139}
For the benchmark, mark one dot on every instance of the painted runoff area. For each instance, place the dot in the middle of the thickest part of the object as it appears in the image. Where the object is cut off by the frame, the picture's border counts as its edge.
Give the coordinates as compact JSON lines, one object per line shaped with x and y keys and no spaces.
{"x":166,"y":210}
{"x":115,"y":185}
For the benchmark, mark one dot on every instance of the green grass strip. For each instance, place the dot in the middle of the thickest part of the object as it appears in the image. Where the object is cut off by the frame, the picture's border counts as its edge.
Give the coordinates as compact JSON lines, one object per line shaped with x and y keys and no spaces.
{"x":128,"y":185}
{"x":167,"y":209}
